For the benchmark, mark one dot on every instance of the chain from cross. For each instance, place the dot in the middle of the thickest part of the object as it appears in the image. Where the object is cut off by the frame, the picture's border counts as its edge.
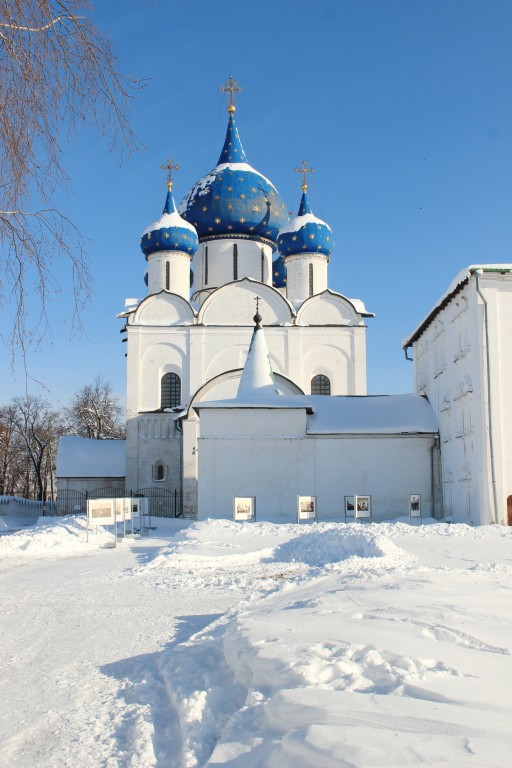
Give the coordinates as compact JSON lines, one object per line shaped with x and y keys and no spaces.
{"x":169,"y":167}
{"x":231,"y":87}
{"x":304,"y":169}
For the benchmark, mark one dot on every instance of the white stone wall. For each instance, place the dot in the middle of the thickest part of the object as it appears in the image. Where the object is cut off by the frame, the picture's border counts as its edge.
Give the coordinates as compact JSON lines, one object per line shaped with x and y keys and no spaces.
{"x":298,"y":275}
{"x":220,"y":269}
{"x":450,"y":367}
{"x":179,"y":273}
{"x":267,"y":454}
{"x":152,"y":438}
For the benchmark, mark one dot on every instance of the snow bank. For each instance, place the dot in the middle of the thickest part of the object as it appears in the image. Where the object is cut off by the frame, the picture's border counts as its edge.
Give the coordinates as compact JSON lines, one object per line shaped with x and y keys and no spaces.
{"x":51,"y":537}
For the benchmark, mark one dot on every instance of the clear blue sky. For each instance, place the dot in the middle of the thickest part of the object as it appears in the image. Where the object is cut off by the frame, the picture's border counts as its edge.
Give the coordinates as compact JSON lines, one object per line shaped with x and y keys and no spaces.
{"x":403,"y":107}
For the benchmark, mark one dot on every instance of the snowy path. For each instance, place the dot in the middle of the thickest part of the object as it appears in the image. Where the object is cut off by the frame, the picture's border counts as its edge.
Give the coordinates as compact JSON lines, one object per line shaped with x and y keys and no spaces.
{"x":81,"y":684}
{"x":257,"y":646}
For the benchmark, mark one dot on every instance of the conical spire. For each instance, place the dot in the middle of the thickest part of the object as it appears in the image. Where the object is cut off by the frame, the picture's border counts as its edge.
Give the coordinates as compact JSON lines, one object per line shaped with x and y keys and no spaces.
{"x":232,"y":151}
{"x":170,"y":205}
{"x":304,"y":205}
{"x":257,"y":382}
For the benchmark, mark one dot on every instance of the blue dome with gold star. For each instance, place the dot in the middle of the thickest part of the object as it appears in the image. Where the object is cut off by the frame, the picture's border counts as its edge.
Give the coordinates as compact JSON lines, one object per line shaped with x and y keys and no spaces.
{"x":305,"y":233}
{"x":170,"y":233}
{"x":234,"y":200}
{"x":279,"y":273}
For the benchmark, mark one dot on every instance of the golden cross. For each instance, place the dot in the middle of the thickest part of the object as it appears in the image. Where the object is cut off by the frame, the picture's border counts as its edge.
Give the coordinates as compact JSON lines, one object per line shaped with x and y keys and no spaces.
{"x":231,"y":87}
{"x":169,"y":168}
{"x":304,"y":170}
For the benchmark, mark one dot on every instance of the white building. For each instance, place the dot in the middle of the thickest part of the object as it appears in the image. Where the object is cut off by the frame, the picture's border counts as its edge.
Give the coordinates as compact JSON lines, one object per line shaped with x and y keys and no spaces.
{"x":463,"y":364}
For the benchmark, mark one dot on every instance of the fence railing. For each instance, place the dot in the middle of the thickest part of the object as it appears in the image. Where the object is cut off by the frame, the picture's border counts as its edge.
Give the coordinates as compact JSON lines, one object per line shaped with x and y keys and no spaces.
{"x":17,"y":505}
{"x":162,"y":502}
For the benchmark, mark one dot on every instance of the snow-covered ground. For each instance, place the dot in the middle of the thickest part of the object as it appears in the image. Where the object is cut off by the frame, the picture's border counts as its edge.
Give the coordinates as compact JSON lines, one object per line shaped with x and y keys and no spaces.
{"x":256,"y":645}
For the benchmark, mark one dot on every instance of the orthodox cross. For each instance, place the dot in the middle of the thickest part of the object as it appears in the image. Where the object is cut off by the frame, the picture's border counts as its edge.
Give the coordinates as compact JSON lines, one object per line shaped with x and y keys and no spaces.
{"x":169,"y":168}
{"x":304,"y":170}
{"x":231,"y":87}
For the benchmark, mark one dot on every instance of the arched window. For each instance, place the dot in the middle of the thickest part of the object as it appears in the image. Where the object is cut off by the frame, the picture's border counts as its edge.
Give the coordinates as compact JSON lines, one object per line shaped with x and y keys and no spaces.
{"x":206,"y":265}
{"x":310,"y":279}
{"x":262,"y":265}
{"x":235,"y":262}
{"x":167,"y":271}
{"x":170,"y":391}
{"x":159,"y":471}
{"x":320,"y":385}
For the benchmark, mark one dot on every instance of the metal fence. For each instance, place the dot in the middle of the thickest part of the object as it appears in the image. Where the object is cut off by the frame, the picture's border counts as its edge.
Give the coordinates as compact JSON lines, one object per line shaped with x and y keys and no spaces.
{"x":162,"y":502}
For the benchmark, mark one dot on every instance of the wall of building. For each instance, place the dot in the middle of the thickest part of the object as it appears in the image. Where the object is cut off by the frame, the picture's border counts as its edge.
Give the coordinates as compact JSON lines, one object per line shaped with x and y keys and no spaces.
{"x":267,"y":454}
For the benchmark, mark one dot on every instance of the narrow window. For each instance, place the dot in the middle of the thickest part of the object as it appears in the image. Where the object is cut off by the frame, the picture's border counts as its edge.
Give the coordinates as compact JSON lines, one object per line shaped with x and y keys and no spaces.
{"x":235,"y":262}
{"x":320,"y":385}
{"x":159,"y":471}
{"x":310,"y":279}
{"x":206,"y":265}
{"x":167,"y":275}
{"x":170,"y":391}
{"x":262,"y":265}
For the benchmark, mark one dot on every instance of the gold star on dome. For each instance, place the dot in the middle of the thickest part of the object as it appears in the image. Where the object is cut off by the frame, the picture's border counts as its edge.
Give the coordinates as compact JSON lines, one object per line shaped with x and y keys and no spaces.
{"x":230,"y":207}
{"x":219,"y":178}
{"x":253,"y":189}
{"x":276,"y":213}
{"x":311,"y":237}
{"x":185,"y":237}
{"x":230,"y":189}
{"x":242,"y":220}
{"x":217,"y":197}
{"x":210,"y":229}
{"x":166,"y":235}
{"x":304,"y":247}
{"x":318,"y":247}
{"x":217,"y":221}
{"x":205,"y":208}
{"x":240,"y":178}
{"x":251,"y":229}
{"x":294,"y":237}
{"x":189,"y":249}
{"x":327,"y":239}
{"x":229,"y":226}
{"x":255,"y":207}
{"x":273,"y":194}
{"x":196,"y":224}
{"x":176,"y":245}
{"x":242,"y":197}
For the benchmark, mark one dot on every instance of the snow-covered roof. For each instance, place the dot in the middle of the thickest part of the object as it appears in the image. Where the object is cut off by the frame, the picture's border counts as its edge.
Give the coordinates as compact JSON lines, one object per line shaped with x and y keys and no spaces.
{"x":455,"y":286}
{"x":371,"y":414}
{"x":81,"y":457}
{"x":257,"y":379}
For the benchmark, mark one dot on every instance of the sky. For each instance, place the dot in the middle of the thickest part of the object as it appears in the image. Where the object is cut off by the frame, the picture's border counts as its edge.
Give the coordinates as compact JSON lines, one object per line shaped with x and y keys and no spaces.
{"x":402,"y":107}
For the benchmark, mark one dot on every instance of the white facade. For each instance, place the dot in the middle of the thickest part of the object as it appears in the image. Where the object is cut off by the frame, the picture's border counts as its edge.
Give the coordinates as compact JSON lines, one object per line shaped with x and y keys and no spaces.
{"x":463,"y":364}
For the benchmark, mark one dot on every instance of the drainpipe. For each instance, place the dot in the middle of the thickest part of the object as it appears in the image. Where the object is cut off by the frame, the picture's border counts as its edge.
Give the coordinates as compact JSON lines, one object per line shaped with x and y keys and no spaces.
{"x":478,"y":274}
{"x":435,"y":443}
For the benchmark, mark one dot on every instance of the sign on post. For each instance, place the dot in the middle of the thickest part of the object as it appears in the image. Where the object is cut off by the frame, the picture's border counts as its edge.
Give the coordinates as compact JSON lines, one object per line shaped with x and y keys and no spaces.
{"x":350,"y":511}
{"x":244,"y":508}
{"x":101,"y":512}
{"x":363,"y":507}
{"x":306,"y":508}
{"x":415,"y":506}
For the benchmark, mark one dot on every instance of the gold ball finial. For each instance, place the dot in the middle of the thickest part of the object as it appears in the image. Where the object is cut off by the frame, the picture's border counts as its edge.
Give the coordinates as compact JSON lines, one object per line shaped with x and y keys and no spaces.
{"x":231,"y":87}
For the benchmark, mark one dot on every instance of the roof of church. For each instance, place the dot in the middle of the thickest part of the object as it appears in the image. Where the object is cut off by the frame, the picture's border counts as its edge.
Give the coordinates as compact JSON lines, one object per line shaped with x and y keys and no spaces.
{"x":257,"y":381}
{"x":170,"y":232}
{"x":278,"y":273}
{"x":371,"y":414}
{"x":305,"y":233}
{"x":234,"y":199}
{"x":82,"y":457}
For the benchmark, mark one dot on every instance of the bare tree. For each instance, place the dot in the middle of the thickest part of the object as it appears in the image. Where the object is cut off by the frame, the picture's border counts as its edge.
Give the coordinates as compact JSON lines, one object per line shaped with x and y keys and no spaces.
{"x":57,"y":70}
{"x":95,"y":412}
{"x":37,"y":428}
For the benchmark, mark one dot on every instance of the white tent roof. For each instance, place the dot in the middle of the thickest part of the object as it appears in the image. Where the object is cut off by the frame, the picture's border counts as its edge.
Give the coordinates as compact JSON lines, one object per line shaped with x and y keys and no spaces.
{"x":81,"y":457}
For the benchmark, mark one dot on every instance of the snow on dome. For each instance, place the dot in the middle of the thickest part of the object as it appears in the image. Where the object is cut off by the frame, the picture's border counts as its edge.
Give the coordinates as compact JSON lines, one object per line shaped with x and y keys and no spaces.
{"x":234,"y":199}
{"x":169,"y":233}
{"x":305,"y":233}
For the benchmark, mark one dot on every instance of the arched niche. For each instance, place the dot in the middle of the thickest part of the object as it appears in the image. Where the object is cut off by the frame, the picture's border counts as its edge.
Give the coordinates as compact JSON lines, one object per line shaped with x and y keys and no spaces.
{"x":235,"y":304}
{"x":328,"y":360}
{"x":156,"y":361}
{"x":225,"y":387}
{"x":328,"y":308}
{"x":164,"y":309}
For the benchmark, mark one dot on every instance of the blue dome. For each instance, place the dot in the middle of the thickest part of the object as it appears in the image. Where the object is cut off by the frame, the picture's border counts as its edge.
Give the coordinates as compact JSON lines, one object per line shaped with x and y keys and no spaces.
{"x":234,"y":200}
{"x":279,"y":273}
{"x":305,"y":233}
{"x":169,"y":233}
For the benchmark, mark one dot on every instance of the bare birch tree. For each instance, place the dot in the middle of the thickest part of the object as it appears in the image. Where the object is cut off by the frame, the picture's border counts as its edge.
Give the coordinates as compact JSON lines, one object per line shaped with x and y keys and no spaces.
{"x":57,"y":71}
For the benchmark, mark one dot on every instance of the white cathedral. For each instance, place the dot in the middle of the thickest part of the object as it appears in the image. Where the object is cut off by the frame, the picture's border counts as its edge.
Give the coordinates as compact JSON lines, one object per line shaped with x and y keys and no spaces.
{"x":252,"y":383}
